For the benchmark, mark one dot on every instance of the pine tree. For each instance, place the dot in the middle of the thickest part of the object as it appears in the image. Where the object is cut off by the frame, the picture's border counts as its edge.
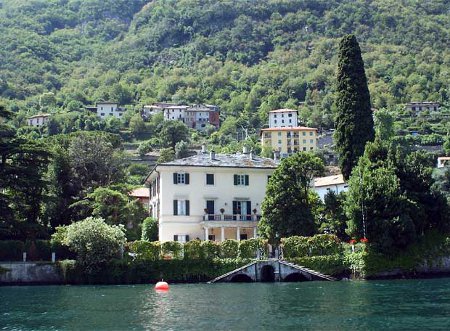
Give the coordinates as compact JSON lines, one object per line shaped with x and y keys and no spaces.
{"x":354,"y":122}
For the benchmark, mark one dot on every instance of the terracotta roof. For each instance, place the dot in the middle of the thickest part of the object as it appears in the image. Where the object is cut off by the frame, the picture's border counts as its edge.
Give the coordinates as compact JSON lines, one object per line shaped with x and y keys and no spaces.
{"x":293,"y":128}
{"x":106,"y":103}
{"x":282,"y":110}
{"x":140,"y":192}
{"x":329,"y":180}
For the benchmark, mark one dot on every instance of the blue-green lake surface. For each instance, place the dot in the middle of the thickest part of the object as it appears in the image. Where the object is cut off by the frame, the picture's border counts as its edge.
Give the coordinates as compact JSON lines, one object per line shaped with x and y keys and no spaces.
{"x":358,"y":305}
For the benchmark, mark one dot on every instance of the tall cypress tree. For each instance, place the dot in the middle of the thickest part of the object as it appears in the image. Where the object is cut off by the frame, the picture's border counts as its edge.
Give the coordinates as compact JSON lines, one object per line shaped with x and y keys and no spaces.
{"x":354,"y":122}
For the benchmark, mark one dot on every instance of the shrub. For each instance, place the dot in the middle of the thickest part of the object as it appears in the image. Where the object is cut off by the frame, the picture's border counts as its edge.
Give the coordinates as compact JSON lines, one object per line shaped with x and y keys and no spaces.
{"x":248,"y":248}
{"x":229,"y":249}
{"x":95,"y":242}
{"x":321,"y":244}
{"x":150,"y":229}
{"x":193,"y":250}
{"x":172,"y":249}
{"x":145,"y":250}
{"x":210,"y":249}
{"x":295,"y":246}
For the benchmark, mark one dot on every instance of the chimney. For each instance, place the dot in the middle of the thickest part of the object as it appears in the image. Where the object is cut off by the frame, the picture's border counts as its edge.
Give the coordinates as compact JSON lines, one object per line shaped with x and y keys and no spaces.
{"x":212,"y":155}
{"x":203,"y":149}
{"x":245,"y":150}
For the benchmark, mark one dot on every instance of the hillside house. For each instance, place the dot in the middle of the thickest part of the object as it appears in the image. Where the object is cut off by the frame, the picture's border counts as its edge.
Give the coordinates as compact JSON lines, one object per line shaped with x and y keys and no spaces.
{"x":209,"y":196}
{"x":418,"y":107}
{"x":289,"y":140}
{"x":38,"y":120}
{"x":282,"y":118}
{"x":106,"y":109}
{"x":323,"y":185}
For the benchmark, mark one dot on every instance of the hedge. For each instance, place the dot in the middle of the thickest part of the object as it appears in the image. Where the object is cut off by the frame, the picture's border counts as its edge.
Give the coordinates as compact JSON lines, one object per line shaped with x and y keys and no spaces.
{"x":197,"y":250}
{"x":127,"y":271}
{"x":318,"y":245}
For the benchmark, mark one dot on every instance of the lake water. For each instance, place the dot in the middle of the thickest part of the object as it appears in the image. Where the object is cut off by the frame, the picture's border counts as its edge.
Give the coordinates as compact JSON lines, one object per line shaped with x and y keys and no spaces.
{"x":357,"y":305}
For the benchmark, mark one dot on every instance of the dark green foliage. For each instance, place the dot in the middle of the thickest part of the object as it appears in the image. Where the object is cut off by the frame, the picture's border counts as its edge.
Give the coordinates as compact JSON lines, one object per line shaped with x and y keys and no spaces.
{"x":289,"y":207}
{"x":11,"y":250}
{"x":353,"y":122}
{"x":390,"y":198}
{"x":150,"y":229}
{"x":333,"y":215}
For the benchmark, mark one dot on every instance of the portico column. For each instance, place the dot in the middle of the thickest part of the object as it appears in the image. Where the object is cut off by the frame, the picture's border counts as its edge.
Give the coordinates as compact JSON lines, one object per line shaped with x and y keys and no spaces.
{"x":238,"y":233}
{"x":255,"y":232}
{"x":206,"y":233}
{"x":222,"y":234}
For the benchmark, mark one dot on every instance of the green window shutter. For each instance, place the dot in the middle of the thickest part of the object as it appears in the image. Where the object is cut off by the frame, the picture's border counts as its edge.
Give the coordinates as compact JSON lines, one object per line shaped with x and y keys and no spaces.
{"x":175,"y":237}
{"x":249,"y":207}
{"x":246,"y":180}
{"x":175,"y":207}
{"x":186,"y":178}
{"x":175,"y":178}
{"x":187,"y":207}
{"x":187,"y":238}
{"x":235,"y":179}
{"x":235,"y":205}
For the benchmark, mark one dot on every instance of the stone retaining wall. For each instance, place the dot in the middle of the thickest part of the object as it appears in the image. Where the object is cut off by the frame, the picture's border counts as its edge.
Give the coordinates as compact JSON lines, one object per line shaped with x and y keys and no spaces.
{"x":29,"y":273}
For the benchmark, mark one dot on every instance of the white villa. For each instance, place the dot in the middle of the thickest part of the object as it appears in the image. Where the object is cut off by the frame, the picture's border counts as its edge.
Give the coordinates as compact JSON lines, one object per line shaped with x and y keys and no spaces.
{"x":336,"y":183}
{"x":282,"y":118}
{"x":106,"y":109}
{"x":195,"y":116}
{"x":209,"y":196}
{"x":38,"y":120}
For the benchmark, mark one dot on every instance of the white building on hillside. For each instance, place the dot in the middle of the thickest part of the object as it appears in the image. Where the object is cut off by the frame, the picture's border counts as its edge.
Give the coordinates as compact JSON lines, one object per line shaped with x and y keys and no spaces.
{"x":106,"y":109}
{"x":209,"y":196}
{"x":38,"y":120}
{"x":335,"y":183}
{"x":282,"y":118}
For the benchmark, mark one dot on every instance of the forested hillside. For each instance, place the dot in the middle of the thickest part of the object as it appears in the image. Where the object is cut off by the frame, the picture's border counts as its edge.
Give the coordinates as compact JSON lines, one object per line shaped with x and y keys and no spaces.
{"x":246,"y":56}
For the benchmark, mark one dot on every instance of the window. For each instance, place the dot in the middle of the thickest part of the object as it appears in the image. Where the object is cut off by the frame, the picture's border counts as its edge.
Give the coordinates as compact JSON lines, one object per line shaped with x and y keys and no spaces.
{"x":243,"y":236}
{"x":279,"y":134}
{"x":290,"y":115}
{"x":304,"y":149}
{"x":275,"y":121}
{"x":311,"y":148}
{"x":212,"y":237}
{"x":304,"y":141}
{"x":268,"y":178}
{"x":310,"y":133}
{"x":181,"y":207}
{"x":110,"y":114}
{"x":102,"y":114}
{"x":279,"y":142}
{"x":241,"y":180}
{"x":101,"y":108}
{"x":282,"y":115}
{"x":311,"y":141}
{"x":210,"y":206}
{"x":180,"y":178}
{"x":304,"y":133}
{"x":209,"y":179}
{"x":282,"y":121}
{"x":181,"y":238}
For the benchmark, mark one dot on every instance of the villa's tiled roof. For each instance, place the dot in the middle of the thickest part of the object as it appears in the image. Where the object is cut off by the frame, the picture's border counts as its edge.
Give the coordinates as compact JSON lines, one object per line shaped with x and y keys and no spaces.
{"x":329,"y":180}
{"x":224,"y":160}
{"x":140,"y":192}
{"x":39,"y":115}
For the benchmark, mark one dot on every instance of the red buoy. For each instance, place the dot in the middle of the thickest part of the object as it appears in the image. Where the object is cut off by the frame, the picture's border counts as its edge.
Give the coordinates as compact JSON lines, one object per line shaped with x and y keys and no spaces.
{"x":162,"y":286}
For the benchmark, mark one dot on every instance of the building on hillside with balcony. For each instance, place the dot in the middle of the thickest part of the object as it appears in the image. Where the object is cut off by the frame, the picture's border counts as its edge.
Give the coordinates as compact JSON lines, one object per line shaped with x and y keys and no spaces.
{"x":418,"y":107}
{"x":289,"y":140}
{"x":209,"y":196}
{"x":105,"y":109}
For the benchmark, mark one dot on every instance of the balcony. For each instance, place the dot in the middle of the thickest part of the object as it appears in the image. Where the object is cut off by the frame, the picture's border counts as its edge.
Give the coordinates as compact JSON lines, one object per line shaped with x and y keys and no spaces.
{"x":231,"y":217}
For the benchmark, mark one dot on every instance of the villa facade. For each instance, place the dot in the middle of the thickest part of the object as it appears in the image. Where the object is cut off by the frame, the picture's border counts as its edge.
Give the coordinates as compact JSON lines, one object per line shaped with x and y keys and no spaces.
{"x":209,"y":196}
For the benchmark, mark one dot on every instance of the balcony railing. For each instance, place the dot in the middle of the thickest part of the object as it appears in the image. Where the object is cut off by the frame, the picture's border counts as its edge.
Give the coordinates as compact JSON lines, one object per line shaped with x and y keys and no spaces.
{"x":231,"y":217}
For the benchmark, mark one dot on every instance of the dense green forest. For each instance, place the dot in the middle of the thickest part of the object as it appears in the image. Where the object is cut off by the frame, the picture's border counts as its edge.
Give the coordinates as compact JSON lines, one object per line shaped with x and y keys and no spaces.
{"x":246,"y":56}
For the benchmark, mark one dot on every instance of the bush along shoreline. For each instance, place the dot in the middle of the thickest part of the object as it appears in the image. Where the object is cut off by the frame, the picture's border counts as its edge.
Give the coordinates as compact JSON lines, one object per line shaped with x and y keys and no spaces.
{"x":143,"y":262}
